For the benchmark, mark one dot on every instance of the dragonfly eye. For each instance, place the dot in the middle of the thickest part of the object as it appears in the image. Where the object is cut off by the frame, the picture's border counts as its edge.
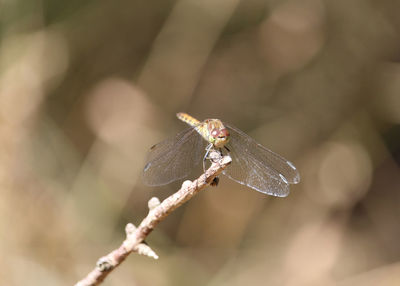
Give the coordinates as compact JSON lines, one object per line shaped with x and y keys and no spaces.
{"x":224,"y":133}
{"x":215,"y":133}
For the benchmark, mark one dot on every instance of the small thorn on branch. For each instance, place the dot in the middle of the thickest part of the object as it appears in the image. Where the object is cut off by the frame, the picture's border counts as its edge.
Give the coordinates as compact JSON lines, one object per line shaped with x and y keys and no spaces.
{"x":130,"y":229}
{"x":144,"y":249}
{"x":129,"y":243}
{"x":105,"y":264}
{"x":186,"y":184}
{"x":153,"y":203}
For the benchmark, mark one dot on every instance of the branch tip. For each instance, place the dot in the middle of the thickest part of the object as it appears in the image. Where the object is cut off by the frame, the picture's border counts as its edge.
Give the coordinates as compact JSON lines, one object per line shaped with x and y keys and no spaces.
{"x":225,"y":160}
{"x":214,"y":156}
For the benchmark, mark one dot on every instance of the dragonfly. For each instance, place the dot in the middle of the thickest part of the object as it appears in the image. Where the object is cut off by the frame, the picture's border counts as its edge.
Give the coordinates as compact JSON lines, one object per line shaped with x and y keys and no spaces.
{"x":253,"y":165}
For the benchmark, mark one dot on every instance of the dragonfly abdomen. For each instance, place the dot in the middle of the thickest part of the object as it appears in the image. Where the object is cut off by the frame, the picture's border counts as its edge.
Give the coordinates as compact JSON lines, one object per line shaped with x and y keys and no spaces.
{"x":188,"y":119}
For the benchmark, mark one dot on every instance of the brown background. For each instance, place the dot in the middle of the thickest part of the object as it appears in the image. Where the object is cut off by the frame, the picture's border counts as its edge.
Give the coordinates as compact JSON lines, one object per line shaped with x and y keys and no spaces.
{"x":86,"y":87}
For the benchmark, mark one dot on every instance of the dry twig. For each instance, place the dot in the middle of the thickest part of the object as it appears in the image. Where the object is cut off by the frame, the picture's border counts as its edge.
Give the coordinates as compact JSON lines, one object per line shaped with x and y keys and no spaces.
{"x":157,"y":212}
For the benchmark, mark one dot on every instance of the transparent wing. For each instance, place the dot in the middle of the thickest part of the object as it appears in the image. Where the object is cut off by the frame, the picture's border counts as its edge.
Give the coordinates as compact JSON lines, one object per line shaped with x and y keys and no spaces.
{"x":257,"y":167}
{"x":174,"y":158}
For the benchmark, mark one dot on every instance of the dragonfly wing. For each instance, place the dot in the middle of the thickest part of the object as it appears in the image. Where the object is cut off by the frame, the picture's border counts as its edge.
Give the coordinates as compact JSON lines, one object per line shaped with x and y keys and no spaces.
{"x":257,"y":167}
{"x":174,"y":158}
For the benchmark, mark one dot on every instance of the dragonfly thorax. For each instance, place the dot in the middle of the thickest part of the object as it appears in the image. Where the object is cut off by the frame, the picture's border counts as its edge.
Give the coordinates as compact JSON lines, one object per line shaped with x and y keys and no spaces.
{"x":213,"y":131}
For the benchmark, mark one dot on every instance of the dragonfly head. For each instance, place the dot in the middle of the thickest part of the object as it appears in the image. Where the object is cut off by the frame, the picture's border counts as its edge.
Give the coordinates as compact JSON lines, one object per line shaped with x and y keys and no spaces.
{"x":219,"y":137}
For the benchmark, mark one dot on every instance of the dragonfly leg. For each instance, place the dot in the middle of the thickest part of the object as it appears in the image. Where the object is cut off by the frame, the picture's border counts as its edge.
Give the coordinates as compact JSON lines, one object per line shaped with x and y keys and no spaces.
{"x":227,"y":149}
{"x":208,"y":148}
{"x":208,"y":156}
{"x":215,"y":182}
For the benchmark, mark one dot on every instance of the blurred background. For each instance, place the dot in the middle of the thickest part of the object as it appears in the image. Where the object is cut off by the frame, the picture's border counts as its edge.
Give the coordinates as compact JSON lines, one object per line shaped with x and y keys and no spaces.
{"x":86,"y":87}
